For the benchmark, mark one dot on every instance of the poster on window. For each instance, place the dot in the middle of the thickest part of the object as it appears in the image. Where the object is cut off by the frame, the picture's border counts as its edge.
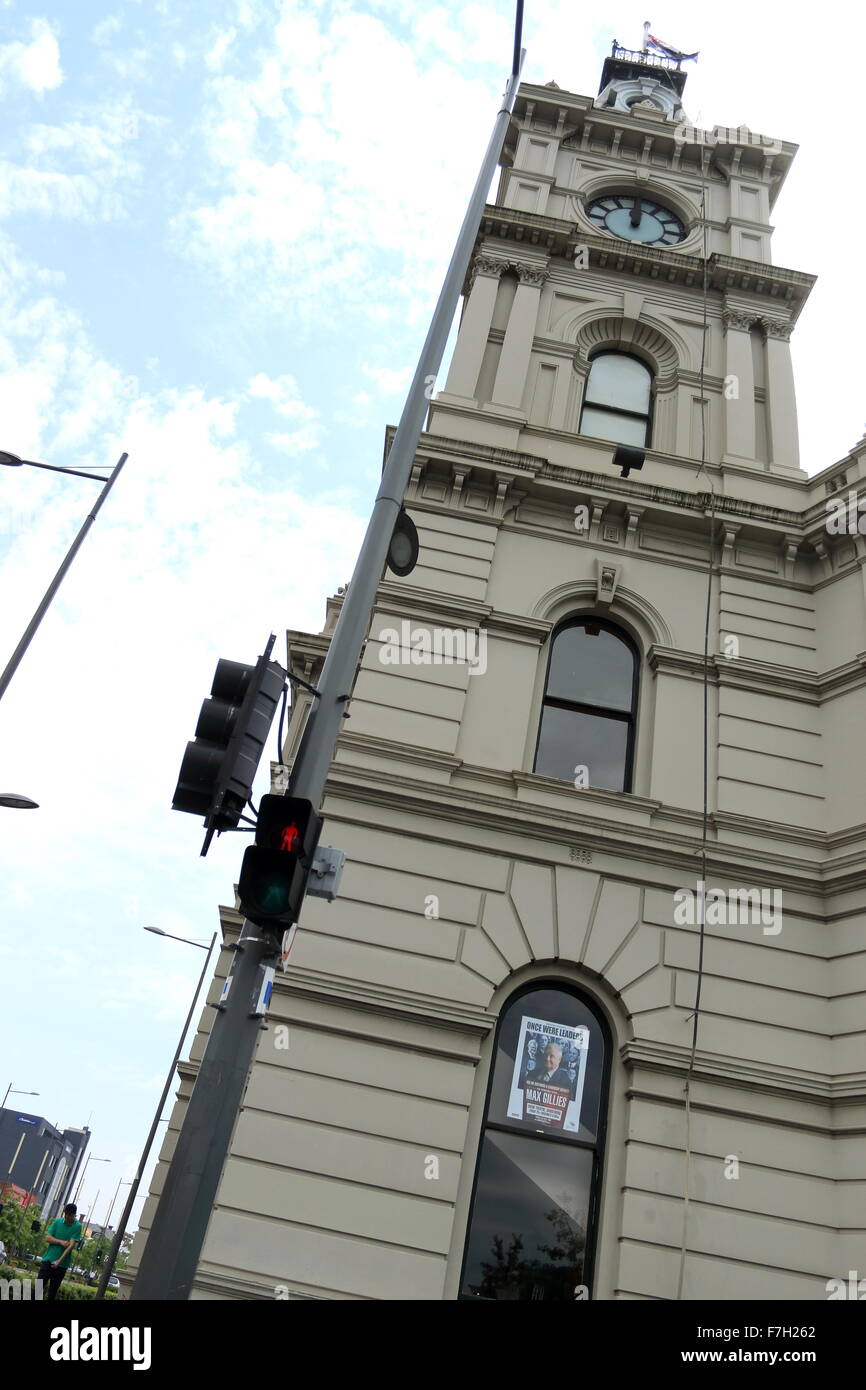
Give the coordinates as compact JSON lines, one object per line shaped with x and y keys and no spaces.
{"x":549,"y":1068}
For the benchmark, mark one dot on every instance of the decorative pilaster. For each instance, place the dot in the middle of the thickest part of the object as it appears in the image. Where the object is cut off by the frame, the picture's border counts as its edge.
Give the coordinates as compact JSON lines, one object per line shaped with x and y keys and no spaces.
{"x":474,"y":327}
{"x":781,"y":398}
{"x":510,"y":382}
{"x":739,"y":388}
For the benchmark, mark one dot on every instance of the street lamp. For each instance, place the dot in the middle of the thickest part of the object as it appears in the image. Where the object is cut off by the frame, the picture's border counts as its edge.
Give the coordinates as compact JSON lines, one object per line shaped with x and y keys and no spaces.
{"x":16,"y":461}
{"x":10,"y":1090}
{"x":158,"y":931}
{"x":133,"y":1191}
{"x":18,"y":803}
{"x":13,"y":461}
{"x":81,"y":1184}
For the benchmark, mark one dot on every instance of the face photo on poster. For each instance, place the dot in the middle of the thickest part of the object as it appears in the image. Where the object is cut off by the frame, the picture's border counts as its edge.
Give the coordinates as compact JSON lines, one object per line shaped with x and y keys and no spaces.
{"x":549,"y":1069}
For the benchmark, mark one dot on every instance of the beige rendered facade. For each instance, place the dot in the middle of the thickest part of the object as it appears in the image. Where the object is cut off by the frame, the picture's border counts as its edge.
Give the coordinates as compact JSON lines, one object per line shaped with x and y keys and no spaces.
{"x":470,"y":876}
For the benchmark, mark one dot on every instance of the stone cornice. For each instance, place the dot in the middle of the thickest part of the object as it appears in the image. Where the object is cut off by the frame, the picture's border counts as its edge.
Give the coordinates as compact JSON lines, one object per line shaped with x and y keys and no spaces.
{"x":414,"y":602}
{"x":800,"y":533}
{"x":740,"y":1074}
{"x":763,"y":677}
{"x":380,"y":1001}
{"x":468,"y":454}
{"x":544,"y":107}
{"x":634,"y":830}
{"x":672,"y":661}
{"x":517,"y":628}
{"x":560,"y":237}
{"x":305,"y":651}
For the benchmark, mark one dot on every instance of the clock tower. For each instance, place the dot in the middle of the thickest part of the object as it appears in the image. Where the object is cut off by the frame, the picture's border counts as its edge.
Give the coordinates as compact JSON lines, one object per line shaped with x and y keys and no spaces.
{"x":612,"y":213}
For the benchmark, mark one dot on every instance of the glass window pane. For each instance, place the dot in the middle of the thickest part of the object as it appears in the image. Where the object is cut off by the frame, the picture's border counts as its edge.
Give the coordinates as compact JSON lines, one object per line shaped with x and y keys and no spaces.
{"x":531,"y":1022}
{"x":620,"y":381}
{"x":621,"y":429}
{"x":570,"y":739}
{"x":529,"y":1220}
{"x":591,"y":669}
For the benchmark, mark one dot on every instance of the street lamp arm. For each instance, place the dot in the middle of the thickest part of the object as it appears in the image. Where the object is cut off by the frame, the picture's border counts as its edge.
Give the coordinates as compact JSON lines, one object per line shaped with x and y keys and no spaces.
{"x":157,"y":931}
{"x":13,"y":461}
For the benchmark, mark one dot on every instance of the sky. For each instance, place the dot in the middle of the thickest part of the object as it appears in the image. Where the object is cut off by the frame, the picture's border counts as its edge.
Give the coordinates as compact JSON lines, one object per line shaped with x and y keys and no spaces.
{"x":223,"y":228}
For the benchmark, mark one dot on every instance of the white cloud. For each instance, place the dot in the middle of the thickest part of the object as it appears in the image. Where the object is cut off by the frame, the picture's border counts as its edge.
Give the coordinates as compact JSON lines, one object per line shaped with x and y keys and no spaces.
{"x":34,"y":65}
{"x":78,"y":170}
{"x":282,"y":392}
{"x":306,"y":203}
{"x":217,"y":54}
{"x":298,"y":443}
{"x":390,"y":380}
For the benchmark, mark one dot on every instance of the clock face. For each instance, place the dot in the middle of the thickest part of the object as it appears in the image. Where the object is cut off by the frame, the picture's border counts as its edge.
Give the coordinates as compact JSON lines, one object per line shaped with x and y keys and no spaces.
{"x":636,"y":218}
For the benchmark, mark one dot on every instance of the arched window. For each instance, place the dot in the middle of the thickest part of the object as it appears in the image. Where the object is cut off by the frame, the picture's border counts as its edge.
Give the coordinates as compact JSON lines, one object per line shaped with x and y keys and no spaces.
{"x":617,"y":401}
{"x":535,"y":1204}
{"x":590,"y":699}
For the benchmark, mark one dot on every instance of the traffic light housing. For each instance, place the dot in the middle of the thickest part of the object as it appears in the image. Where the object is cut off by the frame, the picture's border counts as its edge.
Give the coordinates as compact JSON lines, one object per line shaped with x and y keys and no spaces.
{"x":275,"y":869}
{"x":219,"y":765}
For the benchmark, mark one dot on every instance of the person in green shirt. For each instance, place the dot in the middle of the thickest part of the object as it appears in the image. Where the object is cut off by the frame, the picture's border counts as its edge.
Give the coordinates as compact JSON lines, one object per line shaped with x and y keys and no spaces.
{"x":64,"y":1233}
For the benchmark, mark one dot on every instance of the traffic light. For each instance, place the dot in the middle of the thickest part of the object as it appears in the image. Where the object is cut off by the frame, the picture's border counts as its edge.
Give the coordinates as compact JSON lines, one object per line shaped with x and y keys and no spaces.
{"x":275,"y":869}
{"x":219,"y":765}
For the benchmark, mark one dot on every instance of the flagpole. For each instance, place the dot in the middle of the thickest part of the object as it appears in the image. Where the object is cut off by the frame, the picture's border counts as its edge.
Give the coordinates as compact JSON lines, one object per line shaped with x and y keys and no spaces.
{"x":646,"y":29}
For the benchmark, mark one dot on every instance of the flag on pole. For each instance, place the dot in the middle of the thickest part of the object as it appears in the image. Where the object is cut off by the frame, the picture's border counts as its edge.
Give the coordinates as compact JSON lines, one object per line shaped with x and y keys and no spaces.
{"x":668,"y":50}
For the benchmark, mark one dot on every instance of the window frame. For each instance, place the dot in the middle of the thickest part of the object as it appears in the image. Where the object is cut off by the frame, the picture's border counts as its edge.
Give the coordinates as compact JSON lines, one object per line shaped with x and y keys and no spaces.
{"x":615,"y":409}
{"x":599,"y":1148}
{"x":580,"y":707}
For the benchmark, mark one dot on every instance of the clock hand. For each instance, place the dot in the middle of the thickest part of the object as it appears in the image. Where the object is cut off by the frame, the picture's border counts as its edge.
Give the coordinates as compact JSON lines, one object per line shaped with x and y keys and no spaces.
{"x":636,"y":213}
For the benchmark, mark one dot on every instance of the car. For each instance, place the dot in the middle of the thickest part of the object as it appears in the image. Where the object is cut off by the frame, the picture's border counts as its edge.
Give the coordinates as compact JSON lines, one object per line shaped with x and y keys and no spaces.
{"x":113,"y":1281}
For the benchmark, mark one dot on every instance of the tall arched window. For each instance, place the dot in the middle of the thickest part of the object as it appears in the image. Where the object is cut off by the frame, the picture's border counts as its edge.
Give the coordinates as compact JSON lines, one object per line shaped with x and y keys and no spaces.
{"x":618,"y":399}
{"x":590,"y":699}
{"x":535,"y":1204}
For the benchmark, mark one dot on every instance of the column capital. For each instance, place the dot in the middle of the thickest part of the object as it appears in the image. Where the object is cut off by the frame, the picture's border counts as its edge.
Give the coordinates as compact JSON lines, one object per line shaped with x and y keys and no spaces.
{"x":737,"y":318}
{"x":529,"y":273}
{"x":776,"y":328}
{"x":488,"y":265}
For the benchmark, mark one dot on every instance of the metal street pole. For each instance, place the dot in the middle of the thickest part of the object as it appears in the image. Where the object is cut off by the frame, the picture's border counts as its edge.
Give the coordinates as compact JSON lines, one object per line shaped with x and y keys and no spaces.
{"x":120,"y":1184}
{"x":133,"y":1191}
{"x":174,"y":1244}
{"x":75,"y":1196}
{"x":15,"y":659}
{"x":107,"y":1227}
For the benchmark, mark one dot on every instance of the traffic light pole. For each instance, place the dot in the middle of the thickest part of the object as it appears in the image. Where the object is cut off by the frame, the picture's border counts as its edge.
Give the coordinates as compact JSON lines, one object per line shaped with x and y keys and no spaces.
{"x":174,"y":1245}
